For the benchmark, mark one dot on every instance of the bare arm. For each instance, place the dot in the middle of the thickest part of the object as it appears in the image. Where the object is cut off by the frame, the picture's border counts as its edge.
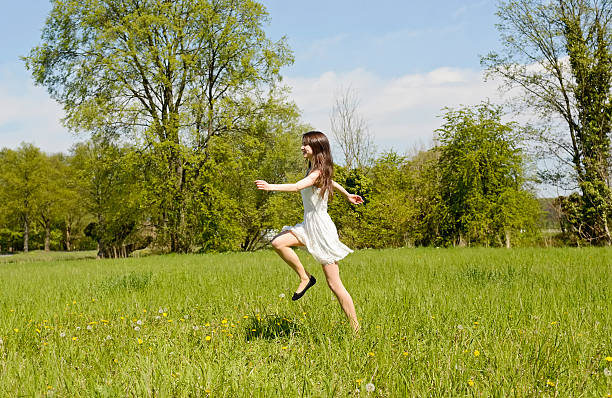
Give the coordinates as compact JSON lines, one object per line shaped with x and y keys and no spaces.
{"x":354,"y":199}
{"x":306,"y":182}
{"x":341,"y":189}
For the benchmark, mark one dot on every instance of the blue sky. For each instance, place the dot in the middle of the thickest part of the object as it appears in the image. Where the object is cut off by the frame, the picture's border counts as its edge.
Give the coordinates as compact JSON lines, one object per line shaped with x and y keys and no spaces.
{"x":406,"y":60}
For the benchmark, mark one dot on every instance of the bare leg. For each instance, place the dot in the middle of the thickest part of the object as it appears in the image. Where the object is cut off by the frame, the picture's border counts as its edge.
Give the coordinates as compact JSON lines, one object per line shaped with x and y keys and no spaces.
{"x":332,"y":273}
{"x":282,"y":245}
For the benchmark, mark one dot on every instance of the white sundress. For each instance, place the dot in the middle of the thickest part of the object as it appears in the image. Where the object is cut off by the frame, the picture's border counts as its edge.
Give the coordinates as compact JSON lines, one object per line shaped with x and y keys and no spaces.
{"x":317,"y":232}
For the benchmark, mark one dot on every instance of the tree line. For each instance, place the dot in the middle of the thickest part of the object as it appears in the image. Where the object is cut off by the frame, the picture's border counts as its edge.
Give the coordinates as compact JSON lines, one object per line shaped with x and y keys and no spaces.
{"x":470,"y":189}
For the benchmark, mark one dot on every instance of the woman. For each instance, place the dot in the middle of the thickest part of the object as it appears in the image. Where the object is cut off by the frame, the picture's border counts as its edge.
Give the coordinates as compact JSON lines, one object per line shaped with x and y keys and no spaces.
{"x":317,"y":232}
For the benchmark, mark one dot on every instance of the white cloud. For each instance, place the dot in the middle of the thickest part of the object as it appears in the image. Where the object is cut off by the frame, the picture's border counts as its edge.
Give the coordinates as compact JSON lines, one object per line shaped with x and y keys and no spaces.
{"x":403,"y":111}
{"x":28,"y":114}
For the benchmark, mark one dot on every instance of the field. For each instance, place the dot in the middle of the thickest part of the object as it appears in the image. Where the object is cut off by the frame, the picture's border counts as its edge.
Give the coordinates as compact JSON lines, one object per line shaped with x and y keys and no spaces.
{"x":435,"y":322}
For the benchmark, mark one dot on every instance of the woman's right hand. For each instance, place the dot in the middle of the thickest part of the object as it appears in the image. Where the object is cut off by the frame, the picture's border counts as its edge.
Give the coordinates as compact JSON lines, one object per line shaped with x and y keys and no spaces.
{"x":261,"y":184}
{"x":355,"y":199}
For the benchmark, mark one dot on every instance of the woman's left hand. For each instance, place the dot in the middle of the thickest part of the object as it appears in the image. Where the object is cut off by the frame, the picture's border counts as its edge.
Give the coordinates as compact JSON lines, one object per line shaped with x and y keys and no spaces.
{"x":355,"y":199}
{"x":261,"y":184}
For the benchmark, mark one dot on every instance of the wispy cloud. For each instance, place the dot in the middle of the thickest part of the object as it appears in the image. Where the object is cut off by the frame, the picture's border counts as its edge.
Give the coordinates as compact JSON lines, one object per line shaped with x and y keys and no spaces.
{"x":321,"y":47}
{"x":464,"y":9}
{"x":27,"y":114}
{"x":402,"y":111}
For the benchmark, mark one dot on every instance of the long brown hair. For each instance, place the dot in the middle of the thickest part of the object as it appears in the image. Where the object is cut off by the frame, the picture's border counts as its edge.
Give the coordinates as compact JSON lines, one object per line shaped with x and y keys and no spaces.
{"x":321,"y":160}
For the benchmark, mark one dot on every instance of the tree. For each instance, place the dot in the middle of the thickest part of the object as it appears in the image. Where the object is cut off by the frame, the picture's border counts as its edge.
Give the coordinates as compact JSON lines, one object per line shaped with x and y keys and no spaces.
{"x":173,"y":74}
{"x":482,"y":179}
{"x":559,"y":54}
{"x":110,"y":186}
{"x":52,"y":190}
{"x":350,"y":131}
{"x":21,"y":179}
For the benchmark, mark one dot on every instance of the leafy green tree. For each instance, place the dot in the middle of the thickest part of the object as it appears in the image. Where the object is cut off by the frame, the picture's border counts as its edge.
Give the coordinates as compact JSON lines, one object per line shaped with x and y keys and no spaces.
{"x":110,"y":187}
{"x":425,"y":200}
{"x":173,"y":74}
{"x":233,"y":214}
{"x":21,"y":179}
{"x":52,"y":190}
{"x":560,"y":54}
{"x":482,"y":179}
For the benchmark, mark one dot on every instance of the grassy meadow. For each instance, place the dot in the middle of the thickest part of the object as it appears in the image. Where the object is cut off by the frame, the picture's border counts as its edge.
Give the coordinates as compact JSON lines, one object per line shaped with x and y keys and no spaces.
{"x":435,"y":322}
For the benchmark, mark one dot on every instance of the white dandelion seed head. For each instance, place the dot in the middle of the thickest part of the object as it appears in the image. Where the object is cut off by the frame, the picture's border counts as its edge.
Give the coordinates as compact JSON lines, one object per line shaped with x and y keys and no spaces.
{"x":139,"y":322}
{"x":158,"y":317}
{"x":109,"y":337}
{"x":370,"y":387}
{"x":460,"y":327}
{"x":607,"y":372}
{"x":196,"y":327}
{"x":282,"y":295}
{"x":62,"y":334}
{"x":137,"y":328}
{"x":165,"y":310}
{"x":161,"y":311}
{"x":89,"y":327}
{"x":356,"y":391}
{"x":186,"y":317}
{"x":78,"y":328}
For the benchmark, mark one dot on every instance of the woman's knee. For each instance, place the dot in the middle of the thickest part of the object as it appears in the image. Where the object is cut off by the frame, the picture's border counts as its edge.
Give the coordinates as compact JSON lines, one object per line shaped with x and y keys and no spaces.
{"x":276,"y":244}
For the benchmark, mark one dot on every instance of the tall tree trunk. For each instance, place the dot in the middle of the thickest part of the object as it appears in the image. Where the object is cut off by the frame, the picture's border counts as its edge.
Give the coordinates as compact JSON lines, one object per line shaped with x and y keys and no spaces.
{"x":47,"y":235}
{"x":68,"y":237}
{"x":26,"y":232}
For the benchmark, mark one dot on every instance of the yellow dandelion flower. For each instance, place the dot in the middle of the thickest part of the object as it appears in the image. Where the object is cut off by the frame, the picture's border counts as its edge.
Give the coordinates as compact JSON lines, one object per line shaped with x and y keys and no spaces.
{"x":358,"y":381}
{"x":38,"y":331}
{"x":45,"y":343}
{"x":471,"y":382}
{"x":609,"y":359}
{"x":246,"y":317}
{"x":207,"y":391}
{"x":115,"y":360}
{"x":170,"y":321}
{"x":144,"y":310}
{"x":93,"y":300}
{"x":49,"y":387}
{"x":165,"y":314}
{"x":122,"y":318}
{"x":16,"y":330}
{"x":182,"y":320}
{"x":476,"y":353}
{"x":476,"y":323}
{"x":73,"y":301}
{"x":553,"y":323}
{"x":284,"y":348}
{"x":103,"y":321}
{"x":224,"y":321}
{"x":207,"y":324}
{"x":371,"y":354}
{"x":208,"y":338}
{"x":405,"y":353}
{"x":550,"y":383}
{"x":75,"y":338}
{"x":139,"y":341}
{"x":253,"y":330}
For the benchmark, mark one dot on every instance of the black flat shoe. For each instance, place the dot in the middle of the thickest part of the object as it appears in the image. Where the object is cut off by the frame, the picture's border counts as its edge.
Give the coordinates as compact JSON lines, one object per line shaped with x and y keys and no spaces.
{"x":311,"y":282}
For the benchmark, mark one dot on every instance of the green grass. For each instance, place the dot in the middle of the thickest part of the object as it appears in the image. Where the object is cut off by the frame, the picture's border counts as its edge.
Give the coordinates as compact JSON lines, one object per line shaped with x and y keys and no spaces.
{"x":41,"y":255}
{"x":435,"y":322}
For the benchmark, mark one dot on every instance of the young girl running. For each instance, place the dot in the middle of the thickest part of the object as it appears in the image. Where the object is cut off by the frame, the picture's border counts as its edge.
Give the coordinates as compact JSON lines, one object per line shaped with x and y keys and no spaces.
{"x":317,"y":232}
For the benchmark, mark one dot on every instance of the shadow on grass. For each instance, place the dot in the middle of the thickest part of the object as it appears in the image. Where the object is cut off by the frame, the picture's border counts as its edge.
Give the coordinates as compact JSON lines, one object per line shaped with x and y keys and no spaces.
{"x":270,"y":327}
